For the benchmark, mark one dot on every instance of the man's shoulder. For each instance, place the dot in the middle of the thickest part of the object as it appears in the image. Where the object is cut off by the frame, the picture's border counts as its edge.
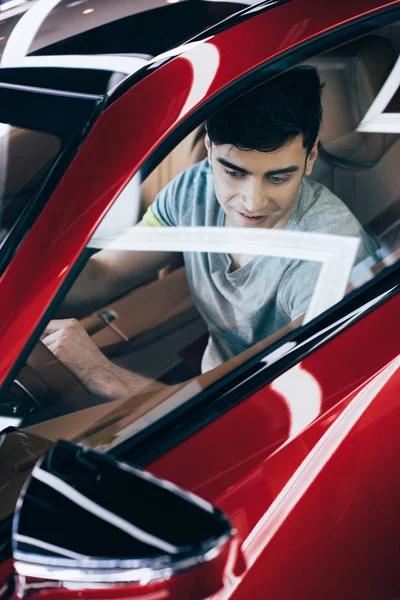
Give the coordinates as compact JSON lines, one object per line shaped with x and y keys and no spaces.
{"x":198,"y":173}
{"x":324,"y":212}
{"x":182,"y":201}
{"x":321,"y":210}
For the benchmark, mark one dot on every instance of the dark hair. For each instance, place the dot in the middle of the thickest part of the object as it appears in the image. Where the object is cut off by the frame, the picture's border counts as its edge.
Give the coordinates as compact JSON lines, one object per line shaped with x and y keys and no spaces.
{"x":272,"y":114}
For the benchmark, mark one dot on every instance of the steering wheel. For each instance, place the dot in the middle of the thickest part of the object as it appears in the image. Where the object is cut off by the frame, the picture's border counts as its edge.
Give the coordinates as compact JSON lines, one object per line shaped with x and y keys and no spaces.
{"x":46,"y":385}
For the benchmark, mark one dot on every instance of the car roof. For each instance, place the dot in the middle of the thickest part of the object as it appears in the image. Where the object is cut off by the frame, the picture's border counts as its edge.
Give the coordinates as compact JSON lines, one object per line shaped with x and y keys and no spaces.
{"x":114,"y":45}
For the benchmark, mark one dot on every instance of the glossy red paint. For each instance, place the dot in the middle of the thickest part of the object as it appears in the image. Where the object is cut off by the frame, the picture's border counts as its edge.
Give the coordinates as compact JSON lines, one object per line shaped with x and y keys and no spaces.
{"x":306,"y":513}
{"x":6,"y":574}
{"x":331,"y":533}
{"x":126,"y":134}
{"x":197,"y":584}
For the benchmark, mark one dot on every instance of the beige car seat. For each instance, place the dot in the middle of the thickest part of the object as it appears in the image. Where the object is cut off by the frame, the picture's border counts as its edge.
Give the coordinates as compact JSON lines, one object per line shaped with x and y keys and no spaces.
{"x":360,"y":168}
{"x":187,"y":153}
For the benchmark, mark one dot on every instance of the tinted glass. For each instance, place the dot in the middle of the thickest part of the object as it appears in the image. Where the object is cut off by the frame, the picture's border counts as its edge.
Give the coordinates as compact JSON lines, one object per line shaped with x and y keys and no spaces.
{"x":282,"y":244}
{"x":36,"y":126}
{"x":26,"y":157}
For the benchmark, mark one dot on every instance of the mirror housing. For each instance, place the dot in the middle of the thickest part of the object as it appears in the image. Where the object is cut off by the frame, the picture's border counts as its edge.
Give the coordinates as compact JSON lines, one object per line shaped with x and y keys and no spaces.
{"x":86,"y":521}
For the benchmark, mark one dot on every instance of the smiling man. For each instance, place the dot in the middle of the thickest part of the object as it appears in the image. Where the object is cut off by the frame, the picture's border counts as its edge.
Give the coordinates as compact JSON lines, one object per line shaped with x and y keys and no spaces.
{"x":261,"y":149}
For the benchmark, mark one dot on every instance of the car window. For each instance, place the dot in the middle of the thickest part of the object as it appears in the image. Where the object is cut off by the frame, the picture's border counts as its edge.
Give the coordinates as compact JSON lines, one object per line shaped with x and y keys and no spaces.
{"x":183,"y":287}
{"x":26,"y":157}
{"x":31,"y":142}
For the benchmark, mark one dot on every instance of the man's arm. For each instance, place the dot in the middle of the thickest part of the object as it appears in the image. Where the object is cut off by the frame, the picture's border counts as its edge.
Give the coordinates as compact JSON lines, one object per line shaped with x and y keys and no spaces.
{"x":71,"y":344}
{"x":108,"y":275}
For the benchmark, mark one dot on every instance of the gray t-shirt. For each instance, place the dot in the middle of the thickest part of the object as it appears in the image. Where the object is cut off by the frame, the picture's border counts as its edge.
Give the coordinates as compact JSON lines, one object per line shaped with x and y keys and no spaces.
{"x":246,"y":305}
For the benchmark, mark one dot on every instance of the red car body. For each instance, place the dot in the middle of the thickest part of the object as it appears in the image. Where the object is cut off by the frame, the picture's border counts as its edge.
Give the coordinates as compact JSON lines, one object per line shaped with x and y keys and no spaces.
{"x":316,"y":509}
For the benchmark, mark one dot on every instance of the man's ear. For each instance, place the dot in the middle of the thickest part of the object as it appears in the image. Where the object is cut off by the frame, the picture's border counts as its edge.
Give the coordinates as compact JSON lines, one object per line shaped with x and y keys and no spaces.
{"x":207,"y":143}
{"x":311,"y":158}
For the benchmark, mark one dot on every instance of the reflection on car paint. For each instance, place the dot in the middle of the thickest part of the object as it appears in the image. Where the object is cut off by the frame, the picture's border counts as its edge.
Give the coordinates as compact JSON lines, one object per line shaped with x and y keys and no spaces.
{"x":336,"y":253}
{"x":307,"y":472}
{"x":302,"y":395}
{"x":204,"y":60}
{"x":314,"y":463}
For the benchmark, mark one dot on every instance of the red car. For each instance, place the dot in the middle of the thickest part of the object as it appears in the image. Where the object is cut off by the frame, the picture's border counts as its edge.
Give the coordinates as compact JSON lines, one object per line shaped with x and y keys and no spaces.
{"x":275,"y":474}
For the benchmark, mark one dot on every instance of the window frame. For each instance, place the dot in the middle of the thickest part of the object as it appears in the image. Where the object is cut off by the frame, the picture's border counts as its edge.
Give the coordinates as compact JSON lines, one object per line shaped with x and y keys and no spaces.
{"x":156,"y":439}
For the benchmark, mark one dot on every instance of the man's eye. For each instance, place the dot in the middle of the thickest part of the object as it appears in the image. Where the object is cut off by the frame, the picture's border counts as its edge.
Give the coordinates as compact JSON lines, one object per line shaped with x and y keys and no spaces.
{"x":233,"y":174}
{"x":276,"y":179}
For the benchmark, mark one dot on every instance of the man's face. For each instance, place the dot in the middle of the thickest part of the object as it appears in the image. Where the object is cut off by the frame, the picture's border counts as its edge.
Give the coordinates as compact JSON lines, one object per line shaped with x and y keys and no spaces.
{"x":259,"y":189}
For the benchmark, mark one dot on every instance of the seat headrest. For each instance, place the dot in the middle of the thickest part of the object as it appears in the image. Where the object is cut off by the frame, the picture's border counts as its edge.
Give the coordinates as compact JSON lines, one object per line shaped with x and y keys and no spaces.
{"x":353,"y":75}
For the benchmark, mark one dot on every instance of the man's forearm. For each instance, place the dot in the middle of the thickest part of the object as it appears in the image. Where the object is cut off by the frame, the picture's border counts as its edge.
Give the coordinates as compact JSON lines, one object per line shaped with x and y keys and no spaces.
{"x":108,"y":275}
{"x":114,"y":383}
{"x":68,"y":340}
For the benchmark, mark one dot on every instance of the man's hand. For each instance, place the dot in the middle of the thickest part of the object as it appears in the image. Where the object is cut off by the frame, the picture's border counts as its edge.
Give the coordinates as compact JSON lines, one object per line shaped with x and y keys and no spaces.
{"x":68,"y":340}
{"x":70,"y":343}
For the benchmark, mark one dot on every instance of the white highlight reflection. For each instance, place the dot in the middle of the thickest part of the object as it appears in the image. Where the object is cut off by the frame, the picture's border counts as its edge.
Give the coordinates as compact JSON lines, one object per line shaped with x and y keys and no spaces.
{"x":376,"y":120}
{"x":11,"y":4}
{"x":205,"y":61}
{"x":102,"y":513}
{"x":178,"y":50}
{"x":25,"y":539}
{"x":24,"y":32}
{"x":302,"y":395}
{"x":107,"y":62}
{"x":335,"y":252}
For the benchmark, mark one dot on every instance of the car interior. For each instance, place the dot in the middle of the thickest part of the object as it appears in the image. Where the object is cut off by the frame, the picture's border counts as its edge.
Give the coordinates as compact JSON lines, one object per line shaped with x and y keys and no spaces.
{"x":166,"y":342}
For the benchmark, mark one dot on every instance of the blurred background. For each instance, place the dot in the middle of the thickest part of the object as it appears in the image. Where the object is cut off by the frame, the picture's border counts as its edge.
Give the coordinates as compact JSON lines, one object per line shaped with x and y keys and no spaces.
{"x":71,"y":17}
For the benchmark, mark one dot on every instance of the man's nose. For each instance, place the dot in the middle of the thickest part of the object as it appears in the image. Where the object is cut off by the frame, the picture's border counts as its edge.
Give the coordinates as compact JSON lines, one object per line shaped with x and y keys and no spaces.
{"x":254,"y":196}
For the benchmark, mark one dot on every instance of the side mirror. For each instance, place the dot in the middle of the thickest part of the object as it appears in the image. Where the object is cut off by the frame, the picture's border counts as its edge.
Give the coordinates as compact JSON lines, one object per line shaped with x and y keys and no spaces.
{"x":86,"y":523}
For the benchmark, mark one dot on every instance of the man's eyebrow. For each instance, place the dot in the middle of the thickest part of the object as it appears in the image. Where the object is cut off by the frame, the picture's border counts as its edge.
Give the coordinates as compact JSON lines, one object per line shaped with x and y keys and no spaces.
{"x":291,"y":169}
{"x":230,"y":165}
{"x":226,"y":163}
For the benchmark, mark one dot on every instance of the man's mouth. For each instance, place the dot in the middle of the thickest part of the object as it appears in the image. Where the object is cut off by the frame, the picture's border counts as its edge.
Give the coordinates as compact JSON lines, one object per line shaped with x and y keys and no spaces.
{"x":251,"y":219}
